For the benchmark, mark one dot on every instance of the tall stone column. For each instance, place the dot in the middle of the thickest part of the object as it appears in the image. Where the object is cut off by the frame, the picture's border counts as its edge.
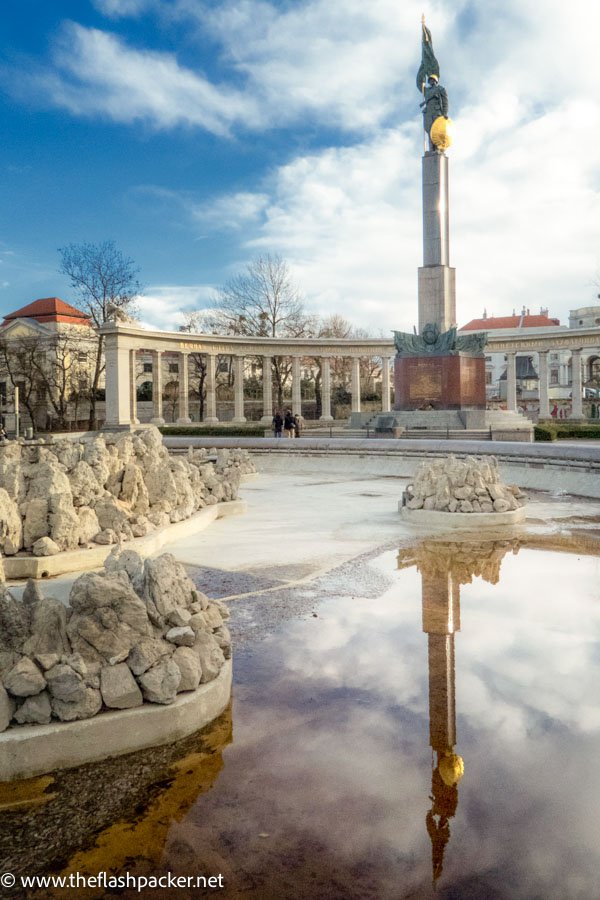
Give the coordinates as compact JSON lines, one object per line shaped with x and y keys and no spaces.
{"x":133,"y":387}
{"x":211,"y":389}
{"x":296,"y":394}
{"x":267,"y":380}
{"x":437,"y":280}
{"x":184,"y":390}
{"x":544,"y":400}
{"x":157,"y":401}
{"x":385,"y":384}
{"x":576,"y":385}
{"x":326,"y":390}
{"x":511,"y":381}
{"x":118,"y":382}
{"x":238,"y":403}
{"x":355,"y":384}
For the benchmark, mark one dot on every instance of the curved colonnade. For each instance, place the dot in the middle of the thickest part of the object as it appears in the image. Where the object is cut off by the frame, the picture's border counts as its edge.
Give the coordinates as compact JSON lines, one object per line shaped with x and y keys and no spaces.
{"x":123,"y":342}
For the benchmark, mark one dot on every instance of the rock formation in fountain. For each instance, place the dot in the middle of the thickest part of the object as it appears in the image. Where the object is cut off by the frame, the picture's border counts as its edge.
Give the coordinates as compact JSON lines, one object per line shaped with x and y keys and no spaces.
{"x":454,"y":485}
{"x":138,"y":631}
{"x":61,"y":495}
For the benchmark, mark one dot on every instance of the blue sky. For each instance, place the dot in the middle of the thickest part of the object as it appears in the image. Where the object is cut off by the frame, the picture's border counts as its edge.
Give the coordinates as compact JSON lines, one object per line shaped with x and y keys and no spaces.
{"x":198,"y":135}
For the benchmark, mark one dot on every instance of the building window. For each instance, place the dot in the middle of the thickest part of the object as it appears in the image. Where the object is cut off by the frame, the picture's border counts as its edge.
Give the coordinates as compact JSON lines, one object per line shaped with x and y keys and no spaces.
{"x":82,"y":356}
{"x":173,"y":368}
{"x":554,"y":357}
{"x":488,"y":359}
{"x":554,"y":377}
{"x":488,"y":377}
{"x":147,"y":367}
{"x":3,"y":393}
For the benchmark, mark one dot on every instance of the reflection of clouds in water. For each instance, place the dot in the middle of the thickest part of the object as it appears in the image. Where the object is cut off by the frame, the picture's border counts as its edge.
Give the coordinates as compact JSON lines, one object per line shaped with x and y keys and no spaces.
{"x":532,"y":642}
{"x":332,"y":738}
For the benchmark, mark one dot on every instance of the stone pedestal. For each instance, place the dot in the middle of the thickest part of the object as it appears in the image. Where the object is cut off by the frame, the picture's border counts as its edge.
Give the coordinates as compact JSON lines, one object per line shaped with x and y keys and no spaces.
{"x":439,"y":382}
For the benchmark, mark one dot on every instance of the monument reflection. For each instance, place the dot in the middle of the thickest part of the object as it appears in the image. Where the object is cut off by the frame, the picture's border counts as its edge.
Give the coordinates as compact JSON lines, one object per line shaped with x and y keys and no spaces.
{"x":444,"y":567}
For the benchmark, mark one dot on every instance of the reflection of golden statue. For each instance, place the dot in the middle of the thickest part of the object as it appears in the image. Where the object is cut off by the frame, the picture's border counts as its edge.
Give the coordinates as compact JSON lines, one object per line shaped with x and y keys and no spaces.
{"x":444,"y":566}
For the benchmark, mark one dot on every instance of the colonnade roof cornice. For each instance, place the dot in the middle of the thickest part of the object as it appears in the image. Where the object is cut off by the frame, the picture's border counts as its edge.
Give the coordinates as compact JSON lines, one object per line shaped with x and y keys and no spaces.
{"x":241,"y":345}
{"x":131,"y":336}
{"x":573,"y":339}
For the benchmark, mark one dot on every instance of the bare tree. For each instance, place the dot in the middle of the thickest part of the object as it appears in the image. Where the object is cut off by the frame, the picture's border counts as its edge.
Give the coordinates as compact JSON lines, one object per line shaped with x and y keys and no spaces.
{"x":105,"y":282}
{"x":15,"y":359}
{"x":51,"y":372}
{"x":264,"y":302}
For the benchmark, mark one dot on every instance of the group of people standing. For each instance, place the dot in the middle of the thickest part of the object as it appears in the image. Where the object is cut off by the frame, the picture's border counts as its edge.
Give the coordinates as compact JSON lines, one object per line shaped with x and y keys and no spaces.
{"x":288,"y":423}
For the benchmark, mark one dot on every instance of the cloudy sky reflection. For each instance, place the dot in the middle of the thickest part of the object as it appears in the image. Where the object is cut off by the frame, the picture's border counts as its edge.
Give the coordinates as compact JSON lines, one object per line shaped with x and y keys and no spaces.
{"x":336,"y":719}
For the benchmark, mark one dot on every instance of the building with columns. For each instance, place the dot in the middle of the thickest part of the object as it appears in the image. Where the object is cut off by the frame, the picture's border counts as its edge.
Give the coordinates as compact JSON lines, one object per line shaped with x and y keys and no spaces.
{"x":564,"y":360}
{"x":126,"y":342}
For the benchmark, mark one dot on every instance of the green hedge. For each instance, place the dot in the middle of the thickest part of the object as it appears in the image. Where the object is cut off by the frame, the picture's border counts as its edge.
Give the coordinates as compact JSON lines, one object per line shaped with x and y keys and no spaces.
{"x":544,"y":433}
{"x":560,"y":431}
{"x":213,"y":430}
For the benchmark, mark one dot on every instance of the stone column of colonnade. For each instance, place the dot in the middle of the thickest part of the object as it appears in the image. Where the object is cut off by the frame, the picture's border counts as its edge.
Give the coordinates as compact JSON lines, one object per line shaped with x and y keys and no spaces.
{"x":157,"y":399}
{"x":355,"y":384}
{"x":326,"y":390}
{"x":544,"y":400}
{"x":385,"y":384}
{"x":296,"y":393}
{"x":120,"y":410}
{"x":133,"y":386}
{"x":267,"y":380}
{"x":238,"y":386}
{"x":211,"y":389}
{"x":576,"y":385}
{"x":511,"y":380}
{"x":184,"y":390}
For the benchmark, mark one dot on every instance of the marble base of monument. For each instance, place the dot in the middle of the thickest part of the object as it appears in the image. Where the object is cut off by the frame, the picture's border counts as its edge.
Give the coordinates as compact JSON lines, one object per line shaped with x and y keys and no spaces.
{"x":428,"y":381}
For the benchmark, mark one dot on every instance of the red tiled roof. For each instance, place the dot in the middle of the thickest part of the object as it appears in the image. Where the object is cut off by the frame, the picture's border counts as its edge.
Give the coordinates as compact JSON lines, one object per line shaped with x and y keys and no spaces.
{"x":493,"y":322}
{"x":50,"y":309}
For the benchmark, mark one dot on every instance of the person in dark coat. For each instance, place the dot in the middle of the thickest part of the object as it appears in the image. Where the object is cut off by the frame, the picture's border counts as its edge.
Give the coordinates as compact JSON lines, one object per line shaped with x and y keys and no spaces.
{"x":289,"y":424}
{"x":277,"y":424}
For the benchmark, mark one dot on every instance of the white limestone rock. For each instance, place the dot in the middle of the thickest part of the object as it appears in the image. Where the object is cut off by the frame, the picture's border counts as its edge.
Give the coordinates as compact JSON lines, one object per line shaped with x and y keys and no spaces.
{"x":36,"y":523}
{"x":223,"y":637}
{"x":48,"y":629}
{"x":179,"y":617}
{"x":35,"y":710}
{"x":210,"y":655}
{"x":110,"y":514}
{"x":85,"y":487}
{"x":166,"y":587}
{"x":147,"y":653}
{"x":188,"y":663}
{"x":15,"y":622}
{"x":119,"y":688}
{"x":45,"y":546}
{"x":7,"y":708}
{"x":160,"y":683}
{"x":106,"y":536}
{"x":24,"y":679}
{"x":181,"y":637}
{"x":88,"y":525}
{"x":108,"y":617}
{"x":85,"y":708}
{"x":213,"y":616}
{"x":65,"y":684}
{"x":11,"y":526}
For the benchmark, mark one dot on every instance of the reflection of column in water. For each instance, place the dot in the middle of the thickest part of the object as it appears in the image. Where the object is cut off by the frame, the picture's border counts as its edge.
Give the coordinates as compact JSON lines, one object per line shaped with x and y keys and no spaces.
{"x":444,"y":566}
{"x":441,"y":618}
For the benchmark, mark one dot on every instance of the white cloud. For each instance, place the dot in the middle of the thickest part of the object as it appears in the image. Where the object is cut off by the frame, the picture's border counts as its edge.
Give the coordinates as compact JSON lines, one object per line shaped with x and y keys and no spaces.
{"x":97,"y":73}
{"x":120,"y":8}
{"x":163,"y":306}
